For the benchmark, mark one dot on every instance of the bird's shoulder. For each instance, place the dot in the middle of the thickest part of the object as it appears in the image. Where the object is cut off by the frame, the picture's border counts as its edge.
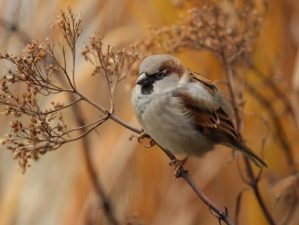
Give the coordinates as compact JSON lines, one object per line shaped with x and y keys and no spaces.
{"x":196,"y":91}
{"x":208,"y":107}
{"x":204,"y":82}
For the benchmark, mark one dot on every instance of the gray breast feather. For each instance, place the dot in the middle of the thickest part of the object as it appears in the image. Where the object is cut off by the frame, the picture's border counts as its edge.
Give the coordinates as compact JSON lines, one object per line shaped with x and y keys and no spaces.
{"x":169,"y":124}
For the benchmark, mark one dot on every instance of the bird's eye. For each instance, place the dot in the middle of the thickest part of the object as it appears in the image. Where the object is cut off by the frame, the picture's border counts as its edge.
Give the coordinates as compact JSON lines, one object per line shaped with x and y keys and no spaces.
{"x":161,"y":74}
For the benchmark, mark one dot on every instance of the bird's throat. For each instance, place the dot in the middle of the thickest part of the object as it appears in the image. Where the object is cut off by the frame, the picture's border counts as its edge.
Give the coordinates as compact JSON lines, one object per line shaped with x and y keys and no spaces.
{"x":147,"y":89}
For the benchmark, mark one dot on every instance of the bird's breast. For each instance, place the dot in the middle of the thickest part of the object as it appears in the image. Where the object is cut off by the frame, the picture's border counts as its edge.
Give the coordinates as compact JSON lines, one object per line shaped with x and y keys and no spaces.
{"x":169,"y":124}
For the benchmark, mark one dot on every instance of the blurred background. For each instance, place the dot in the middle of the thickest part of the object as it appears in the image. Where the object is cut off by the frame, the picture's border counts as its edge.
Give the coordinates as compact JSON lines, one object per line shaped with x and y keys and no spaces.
{"x":140,"y":183}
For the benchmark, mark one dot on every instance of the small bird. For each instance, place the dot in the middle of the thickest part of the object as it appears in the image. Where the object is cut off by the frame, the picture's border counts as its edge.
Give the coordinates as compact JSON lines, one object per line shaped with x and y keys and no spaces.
{"x":183,"y":112}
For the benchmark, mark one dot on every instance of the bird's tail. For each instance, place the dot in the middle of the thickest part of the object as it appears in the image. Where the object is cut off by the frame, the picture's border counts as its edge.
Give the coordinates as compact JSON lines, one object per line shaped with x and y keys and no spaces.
{"x":252,"y":156}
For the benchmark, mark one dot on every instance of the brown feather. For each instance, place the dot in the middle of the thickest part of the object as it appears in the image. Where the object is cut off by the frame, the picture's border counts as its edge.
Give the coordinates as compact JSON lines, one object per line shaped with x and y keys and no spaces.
{"x":173,"y":67}
{"x":214,"y":122}
{"x":217,"y":125}
{"x":208,"y":84}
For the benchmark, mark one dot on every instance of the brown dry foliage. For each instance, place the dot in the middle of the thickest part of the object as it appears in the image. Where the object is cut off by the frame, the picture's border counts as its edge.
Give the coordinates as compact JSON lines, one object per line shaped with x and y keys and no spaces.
{"x":47,"y":94}
{"x":40,"y":73}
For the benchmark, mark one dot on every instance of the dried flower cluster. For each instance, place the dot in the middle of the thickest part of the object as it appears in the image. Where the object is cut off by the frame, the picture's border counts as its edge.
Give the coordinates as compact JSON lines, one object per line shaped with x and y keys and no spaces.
{"x":70,"y":27}
{"x":223,"y":29}
{"x":113,"y":64}
{"x":38,"y":75}
{"x":35,"y":131}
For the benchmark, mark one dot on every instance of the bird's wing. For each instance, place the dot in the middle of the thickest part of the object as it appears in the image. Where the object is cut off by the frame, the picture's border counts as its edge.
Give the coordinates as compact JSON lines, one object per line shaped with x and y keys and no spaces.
{"x":208,"y":116}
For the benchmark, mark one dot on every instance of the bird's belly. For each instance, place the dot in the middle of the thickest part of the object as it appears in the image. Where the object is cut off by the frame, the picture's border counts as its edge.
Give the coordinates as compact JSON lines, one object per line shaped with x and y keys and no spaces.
{"x":174,"y":131}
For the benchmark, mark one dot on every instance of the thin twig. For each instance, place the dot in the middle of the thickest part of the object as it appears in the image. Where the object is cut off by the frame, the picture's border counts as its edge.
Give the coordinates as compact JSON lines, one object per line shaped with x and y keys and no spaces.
{"x":95,"y":124}
{"x":84,"y":131}
{"x":62,"y":67}
{"x":112,"y":116}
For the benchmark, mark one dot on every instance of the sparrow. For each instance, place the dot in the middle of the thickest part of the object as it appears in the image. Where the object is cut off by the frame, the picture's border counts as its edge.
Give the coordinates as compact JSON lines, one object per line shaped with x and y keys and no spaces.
{"x":184,"y":112}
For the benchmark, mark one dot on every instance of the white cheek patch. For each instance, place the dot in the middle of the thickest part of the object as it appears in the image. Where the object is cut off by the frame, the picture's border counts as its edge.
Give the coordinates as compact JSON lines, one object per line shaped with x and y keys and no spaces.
{"x":168,"y":83}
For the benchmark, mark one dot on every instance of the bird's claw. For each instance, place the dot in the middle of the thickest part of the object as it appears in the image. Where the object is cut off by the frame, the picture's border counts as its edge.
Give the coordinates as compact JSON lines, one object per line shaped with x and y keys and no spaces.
{"x":178,"y":165}
{"x":143,"y":136}
{"x":151,"y":143}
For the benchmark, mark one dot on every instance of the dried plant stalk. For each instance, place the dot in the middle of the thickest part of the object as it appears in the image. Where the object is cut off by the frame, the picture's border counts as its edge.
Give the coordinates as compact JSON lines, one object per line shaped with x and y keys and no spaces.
{"x":40,"y":74}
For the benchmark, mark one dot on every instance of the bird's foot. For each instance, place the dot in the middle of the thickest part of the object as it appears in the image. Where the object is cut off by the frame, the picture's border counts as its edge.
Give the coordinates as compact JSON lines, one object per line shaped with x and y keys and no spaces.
{"x":151,"y":143}
{"x":143,"y":136}
{"x":178,"y":165}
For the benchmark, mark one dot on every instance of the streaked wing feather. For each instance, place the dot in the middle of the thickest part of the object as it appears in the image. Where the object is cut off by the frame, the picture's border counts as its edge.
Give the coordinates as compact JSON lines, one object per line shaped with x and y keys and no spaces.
{"x":210,"y":118}
{"x":226,"y":124}
{"x":205,"y":119}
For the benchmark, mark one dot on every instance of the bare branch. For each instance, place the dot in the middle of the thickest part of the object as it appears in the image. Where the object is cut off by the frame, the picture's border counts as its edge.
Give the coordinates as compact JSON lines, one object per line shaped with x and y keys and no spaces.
{"x":222,"y":215}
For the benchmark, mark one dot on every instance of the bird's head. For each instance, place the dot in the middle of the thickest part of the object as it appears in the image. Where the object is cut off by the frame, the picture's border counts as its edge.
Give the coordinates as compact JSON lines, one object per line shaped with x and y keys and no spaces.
{"x":159,"y":73}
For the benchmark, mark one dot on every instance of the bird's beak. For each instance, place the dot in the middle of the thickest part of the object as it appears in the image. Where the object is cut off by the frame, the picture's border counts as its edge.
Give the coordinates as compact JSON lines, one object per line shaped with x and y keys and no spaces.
{"x":142,"y":79}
